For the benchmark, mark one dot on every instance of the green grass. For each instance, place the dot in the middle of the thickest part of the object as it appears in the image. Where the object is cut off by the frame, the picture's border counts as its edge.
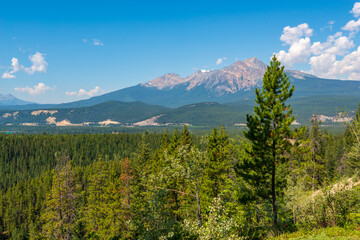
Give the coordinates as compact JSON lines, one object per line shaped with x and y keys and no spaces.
{"x":324,"y":233}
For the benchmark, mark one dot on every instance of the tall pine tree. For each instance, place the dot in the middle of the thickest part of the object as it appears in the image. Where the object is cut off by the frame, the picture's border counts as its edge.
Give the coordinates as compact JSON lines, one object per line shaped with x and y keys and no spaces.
{"x":269,"y":131}
{"x":218,"y":153}
{"x":60,"y":213}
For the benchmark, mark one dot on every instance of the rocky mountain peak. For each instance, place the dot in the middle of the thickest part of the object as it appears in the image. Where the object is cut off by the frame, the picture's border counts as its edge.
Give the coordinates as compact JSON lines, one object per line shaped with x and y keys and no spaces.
{"x":255,"y":63}
{"x":165,"y":81}
{"x":239,"y":76}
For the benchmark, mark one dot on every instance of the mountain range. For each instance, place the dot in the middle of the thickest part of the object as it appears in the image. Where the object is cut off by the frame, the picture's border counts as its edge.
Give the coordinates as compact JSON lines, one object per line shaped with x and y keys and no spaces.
{"x":233,"y":83}
{"x":226,"y":94}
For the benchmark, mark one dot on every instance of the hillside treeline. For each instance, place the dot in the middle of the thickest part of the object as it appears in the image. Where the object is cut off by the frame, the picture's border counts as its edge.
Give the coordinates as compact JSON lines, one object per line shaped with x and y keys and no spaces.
{"x":172,"y":186}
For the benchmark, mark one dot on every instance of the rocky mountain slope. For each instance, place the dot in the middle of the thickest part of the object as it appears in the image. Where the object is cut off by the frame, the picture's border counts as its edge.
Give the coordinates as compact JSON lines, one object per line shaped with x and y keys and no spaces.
{"x":240,"y":76}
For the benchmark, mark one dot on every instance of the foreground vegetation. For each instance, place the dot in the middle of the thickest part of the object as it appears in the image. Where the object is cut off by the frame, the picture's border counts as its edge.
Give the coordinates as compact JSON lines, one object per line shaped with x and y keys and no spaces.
{"x":159,"y":186}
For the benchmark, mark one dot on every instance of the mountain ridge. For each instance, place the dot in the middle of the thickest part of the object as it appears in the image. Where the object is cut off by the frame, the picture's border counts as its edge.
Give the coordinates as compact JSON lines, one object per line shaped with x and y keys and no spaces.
{"x":229,"y":84}
{"x":8,"y":99}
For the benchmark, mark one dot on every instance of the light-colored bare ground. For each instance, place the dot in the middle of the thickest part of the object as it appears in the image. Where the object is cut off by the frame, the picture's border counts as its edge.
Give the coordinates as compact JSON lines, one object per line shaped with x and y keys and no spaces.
{"x":38,"y":112}
{"x":63,"y":123}
{"x":108,"y":122}
{"x":6,"y":115}
{"x":29,"y":124}
{"x":149,"y":122}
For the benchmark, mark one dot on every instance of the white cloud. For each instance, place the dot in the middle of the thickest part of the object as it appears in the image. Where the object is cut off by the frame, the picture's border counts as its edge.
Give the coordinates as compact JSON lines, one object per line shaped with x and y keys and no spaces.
{"x":97,"y":42}
{"x":327,"y":66}
{"x":301,"y":47}
{"x":356,"y":10}
{"x":340,"y":46}
{"x":335,"y":44}
{"x":15,"y":65}
{"x":352,"y":26}
{"x":8,"y":75}
{"x":292,"y":35}
{"x":83,"y":92}
{"x":220,"y":60}
{"x":348,"y":66}
{"x":85,"y":40}
{"x":39,"y":89}
{"x":298,"y":52}
{"x":333,"y":58}
{"x":38,"y":65}
{"x":320,"y":65}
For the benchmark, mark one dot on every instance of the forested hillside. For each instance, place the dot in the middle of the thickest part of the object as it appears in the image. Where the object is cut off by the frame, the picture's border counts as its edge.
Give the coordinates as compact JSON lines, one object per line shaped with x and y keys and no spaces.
{"x":274,"y":181}
{"x":122,"y":186}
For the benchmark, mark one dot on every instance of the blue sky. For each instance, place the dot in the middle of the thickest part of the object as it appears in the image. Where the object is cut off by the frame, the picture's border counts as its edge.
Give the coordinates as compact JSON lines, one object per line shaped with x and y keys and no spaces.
{"x":84,"y":48}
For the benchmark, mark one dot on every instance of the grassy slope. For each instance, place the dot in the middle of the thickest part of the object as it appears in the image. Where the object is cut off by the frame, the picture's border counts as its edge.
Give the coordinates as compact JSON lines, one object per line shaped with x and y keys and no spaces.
{"x":324,"y":233}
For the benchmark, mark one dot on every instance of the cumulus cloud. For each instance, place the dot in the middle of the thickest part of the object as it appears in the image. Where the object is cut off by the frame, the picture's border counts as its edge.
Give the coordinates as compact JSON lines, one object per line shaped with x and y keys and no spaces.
{"x":298,"y":52}
{"x":292,"y":35}
{"x":348,"y":66}
{"x":320,"y":65}
{"x":8,"y":75}
{"x":300,"y":45}
{"x":326,"y":65}
{"x":38,"y":64}
{"x":333,"y":58}
{"x":83,"y":92}
{"x":356,"y":10}
{"x":352,"y":26}
{"x":37,"y":90}
{"x":340,"y":46}
{"x":220,"y":60}
{"x":336,"y":44}
{"x":15,"y":65}
{"x":97,"y":42}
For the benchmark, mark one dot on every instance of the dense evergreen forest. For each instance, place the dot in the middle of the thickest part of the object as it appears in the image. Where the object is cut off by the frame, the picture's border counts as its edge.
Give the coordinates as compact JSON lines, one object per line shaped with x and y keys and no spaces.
{"x":272,"y":182}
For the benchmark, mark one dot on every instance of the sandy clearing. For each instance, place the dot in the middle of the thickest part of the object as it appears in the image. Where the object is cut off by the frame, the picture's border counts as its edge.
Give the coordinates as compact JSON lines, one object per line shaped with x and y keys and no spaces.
{"x":108,"y":122}
{"x":38,"y":112}
{"x":29,"y":124}
{"x":149,"y":122}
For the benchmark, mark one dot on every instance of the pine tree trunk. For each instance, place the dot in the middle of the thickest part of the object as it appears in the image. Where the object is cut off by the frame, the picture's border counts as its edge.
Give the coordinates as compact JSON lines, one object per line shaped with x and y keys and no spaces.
{"x":273,"y":192}
{"x":198,"y":209}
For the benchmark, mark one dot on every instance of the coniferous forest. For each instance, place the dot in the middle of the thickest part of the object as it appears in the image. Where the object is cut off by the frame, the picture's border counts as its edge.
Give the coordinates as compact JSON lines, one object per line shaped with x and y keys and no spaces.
{"x":273,"y":180}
